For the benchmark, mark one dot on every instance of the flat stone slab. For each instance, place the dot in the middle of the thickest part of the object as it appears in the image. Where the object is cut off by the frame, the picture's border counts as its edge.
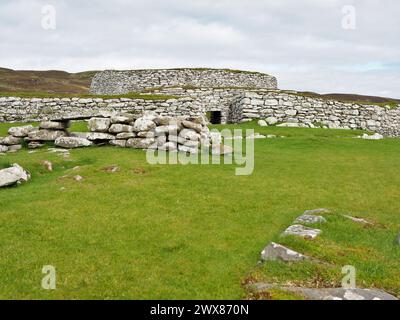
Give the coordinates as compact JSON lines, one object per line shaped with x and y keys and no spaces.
{"x":317,"y":211}
{"x":309,"y":219}
{"x":13,"y":175}
{"x":332,"y":293}
{"x":275,"y":251}
{"x":302,"y":231}
{"x":358,"y":220}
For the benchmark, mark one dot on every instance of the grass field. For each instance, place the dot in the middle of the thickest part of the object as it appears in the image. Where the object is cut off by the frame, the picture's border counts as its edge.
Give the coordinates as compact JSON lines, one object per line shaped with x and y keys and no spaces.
{"x":196,"y":231}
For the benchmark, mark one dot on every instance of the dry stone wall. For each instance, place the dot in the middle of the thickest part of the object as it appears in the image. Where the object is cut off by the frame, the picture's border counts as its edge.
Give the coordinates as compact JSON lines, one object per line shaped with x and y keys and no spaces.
{"x":120,"y":82}
{"x":14,"y":109}
{"x":294,"y":110}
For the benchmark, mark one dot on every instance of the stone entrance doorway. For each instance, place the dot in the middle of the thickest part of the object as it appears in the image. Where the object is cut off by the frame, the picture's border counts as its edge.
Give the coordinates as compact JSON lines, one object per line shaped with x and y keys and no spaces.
{"x":215,"y":117}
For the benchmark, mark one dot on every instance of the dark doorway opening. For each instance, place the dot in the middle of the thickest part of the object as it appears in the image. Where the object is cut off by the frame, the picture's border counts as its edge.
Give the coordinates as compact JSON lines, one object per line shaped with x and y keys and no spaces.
{"x":215,"y":117}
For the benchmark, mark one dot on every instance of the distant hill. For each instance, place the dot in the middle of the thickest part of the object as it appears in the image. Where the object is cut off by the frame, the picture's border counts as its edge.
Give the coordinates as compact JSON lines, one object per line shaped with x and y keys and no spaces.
{"x":45,"y":81}
{"x":54,"y":81}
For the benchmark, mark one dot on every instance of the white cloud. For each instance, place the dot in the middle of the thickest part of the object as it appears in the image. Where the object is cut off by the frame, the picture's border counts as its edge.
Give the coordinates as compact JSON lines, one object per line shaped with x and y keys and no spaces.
{"x":301,"y":42}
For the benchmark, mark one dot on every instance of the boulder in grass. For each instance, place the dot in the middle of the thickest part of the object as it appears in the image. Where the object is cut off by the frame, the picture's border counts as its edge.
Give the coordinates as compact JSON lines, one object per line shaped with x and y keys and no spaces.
{"x":220,"y":149}
{"x":275,"y":251}
{"x":35,"y":145}
{"x":99,"y":124}
{"x":10,"y":140}
{"x":302,"y":231}
{"x":14,"y":148}
{"x":262,"y":123}
{"x":20,"y":132}
{"x":72,"y":142}
{"x":13,"y":175}
{"x":46,"y":135}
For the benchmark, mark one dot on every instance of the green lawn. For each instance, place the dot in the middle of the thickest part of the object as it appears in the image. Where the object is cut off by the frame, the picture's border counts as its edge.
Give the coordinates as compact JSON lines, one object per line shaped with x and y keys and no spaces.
{"x":196,"y":231}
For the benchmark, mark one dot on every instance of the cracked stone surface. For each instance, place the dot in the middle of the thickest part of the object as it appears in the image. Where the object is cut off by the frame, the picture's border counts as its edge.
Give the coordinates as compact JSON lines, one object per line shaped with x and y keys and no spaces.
{"x":302,"y":231}
{"x":275,"y":251}
{"x":332,"y":293}
{"x":309,"y":219}
{"x":317,"y":211}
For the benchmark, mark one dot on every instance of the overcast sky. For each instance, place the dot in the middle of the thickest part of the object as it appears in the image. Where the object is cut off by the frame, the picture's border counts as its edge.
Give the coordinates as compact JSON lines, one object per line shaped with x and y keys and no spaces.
{"x":302,"y":42}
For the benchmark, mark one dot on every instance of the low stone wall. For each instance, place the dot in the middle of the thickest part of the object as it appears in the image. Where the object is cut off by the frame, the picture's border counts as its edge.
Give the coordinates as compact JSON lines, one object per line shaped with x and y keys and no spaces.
{"x":296,"y":110}
{"x":13,"y":109}
{"x":120,"y":82}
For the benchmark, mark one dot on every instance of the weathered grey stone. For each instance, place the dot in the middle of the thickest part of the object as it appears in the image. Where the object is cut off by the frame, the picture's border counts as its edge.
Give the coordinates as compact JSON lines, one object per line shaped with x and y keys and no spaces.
{"x":99,"y":124}
{"x":275,"y":251}
{"x":72,"y":142}
{"x":189,"y":134}
{"x":93,"y":136}
{"x":125,"y":119}
{"x":143,"y":124}
{"x":141,"y":143}
{"x":46,"y":135}
{"x":191,"y":125}
{"x":13,"y":175}
{"x":317,"y":211}
{"x":169,"y":146}
{"x":302,"y":231}
{"x":309,"y":219}
{"x":10,"y":140}
{"x":3,"y":148}
{"x":83,"y":135}
{"x":118,"y":128}
{"x":186,"y":149}
{"x":271,"y":120}
{"x":176,"y":139}
{"x":14,"y":148}
{"x":375,"y":136}
{"x":167,"y":129}
{"x":330,"y":293}
{"x":54,"y":125}
{"x":256,"y":136}
{"x":20,"y":132}
{"x":262,"y":123}
{"x":118,"y":143}
{"x":125,"y":135}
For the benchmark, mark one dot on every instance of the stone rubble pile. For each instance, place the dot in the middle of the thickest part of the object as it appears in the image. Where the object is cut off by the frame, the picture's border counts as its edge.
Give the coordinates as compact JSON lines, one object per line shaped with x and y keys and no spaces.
{"x":13,"y":142}
{"x":47,"y":131}
{"x":185,"y":134}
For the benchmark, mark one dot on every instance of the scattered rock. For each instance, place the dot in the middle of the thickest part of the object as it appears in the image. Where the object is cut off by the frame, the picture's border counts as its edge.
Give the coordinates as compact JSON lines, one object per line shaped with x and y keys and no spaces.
{"x":256,"y":136}
{"x":72,"y":142}
{"x":262,"y":123}
{"x":375,"y":136}
{"x":111,"y":169}
{"x":47,"y":165}
{"x":331,"y":293}
{"x":309,"y":219}
{"x":302,"y":231}
{"x":275,"y":251}
{"x":317,"y":211}
{"x":271,"y":136}
{"x":358,"y":220}
{"x":271,"y":120}
{"x":13,"y":175}
{"x":78,"y":178}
